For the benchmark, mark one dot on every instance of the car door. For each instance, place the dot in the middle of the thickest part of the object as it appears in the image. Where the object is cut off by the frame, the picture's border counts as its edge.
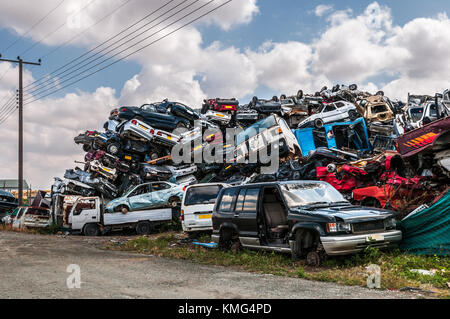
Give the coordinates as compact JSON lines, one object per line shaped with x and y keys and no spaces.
{"x":330,"y":113}
{"x":225,"y":208}
{"x":140,"y":198}
{"x":83,"y":213}
{"x":245,"y":212}
{"x":160,"y":193}
{"x":18,"y":219}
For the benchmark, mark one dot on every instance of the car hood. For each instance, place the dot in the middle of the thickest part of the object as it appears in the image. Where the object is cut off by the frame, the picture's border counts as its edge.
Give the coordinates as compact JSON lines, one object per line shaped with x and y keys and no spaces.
{"x":352,"y":213}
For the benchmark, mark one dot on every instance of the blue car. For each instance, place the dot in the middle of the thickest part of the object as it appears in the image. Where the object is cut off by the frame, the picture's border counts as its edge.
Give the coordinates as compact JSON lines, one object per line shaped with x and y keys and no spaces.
{"x":147,"y":196}
{"x":351,"y":134}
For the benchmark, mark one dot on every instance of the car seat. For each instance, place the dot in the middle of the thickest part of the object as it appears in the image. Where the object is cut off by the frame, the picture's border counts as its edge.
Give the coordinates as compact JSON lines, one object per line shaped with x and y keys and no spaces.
{"x":275,"y":216}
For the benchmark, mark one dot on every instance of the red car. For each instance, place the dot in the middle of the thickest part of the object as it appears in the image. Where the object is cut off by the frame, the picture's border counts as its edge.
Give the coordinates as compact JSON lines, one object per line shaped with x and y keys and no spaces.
{"x":220,"y":105}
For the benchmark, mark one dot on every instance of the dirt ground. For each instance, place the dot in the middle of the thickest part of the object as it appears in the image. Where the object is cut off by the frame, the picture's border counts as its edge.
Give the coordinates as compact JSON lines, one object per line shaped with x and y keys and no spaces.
{"x":35,"y":266}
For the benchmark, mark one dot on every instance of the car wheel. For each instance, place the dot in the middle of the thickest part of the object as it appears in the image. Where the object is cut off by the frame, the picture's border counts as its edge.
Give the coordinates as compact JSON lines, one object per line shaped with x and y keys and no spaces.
{"x":296,"y":250}
{"x":144,"y":228}
{"x":113,"y":148}
{"x":353,"y":115}
{"x":86,"y":147}
{"x":91,"y":230}
{"x":318,"y":123}
{"x":225,"y":239}
{"x":313,"y":259}
{"x":174,"y":202}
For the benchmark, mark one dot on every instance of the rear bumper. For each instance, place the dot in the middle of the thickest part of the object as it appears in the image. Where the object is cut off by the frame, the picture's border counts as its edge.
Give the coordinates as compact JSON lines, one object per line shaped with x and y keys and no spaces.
{"x":348,"y":244}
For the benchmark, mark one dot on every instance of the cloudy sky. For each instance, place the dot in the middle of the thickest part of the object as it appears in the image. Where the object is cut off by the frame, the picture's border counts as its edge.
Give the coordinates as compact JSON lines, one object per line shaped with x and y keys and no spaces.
{"x":245,"y":48}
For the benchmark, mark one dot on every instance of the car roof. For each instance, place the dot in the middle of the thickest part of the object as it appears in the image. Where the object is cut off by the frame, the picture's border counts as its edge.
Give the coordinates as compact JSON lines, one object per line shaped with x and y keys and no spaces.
{"x":281,"y":183}
{"x":207,"y":184}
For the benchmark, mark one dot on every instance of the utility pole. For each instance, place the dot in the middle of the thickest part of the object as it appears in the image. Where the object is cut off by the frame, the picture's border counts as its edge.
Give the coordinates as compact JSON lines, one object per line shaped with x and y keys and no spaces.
{"x":21,"y":63}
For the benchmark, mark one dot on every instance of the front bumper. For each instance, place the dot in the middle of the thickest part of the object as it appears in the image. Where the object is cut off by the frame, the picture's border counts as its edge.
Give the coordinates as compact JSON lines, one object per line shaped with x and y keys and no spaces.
{"x":348,"y":244}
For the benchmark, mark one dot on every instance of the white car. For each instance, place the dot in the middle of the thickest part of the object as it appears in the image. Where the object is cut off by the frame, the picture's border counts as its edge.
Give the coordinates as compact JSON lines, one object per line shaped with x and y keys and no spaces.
{"x":273,"y":130}
{"x":197,"y":206}
{"x":417,"y":113}
{"x":139,"y":129}
{"x":329,"y":113}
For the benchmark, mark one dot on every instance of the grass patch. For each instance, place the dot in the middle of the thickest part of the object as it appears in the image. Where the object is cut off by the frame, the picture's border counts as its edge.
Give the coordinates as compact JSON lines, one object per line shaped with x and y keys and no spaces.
{"x":348,"y":270}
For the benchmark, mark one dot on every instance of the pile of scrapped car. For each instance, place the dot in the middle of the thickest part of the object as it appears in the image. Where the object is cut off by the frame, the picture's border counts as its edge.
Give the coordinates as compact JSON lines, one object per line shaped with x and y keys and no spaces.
{"x":375,"y":151}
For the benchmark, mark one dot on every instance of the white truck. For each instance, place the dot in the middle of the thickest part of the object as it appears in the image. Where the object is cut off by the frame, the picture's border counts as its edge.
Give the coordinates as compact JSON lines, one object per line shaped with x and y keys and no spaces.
{"x":88,"y":216}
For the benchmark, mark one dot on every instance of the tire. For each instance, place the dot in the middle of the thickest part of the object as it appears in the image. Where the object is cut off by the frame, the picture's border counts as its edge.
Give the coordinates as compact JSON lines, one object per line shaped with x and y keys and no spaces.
{"x":113,"y":148}
{"x":353,"y":115}
{"x":318,"y":123}
{"x":144,"y":228}
{"x":313,"y":259}
{"x":86,"y":147}
{"x":124,"y":210}
{"x":91,"y":230}
{"x":174,"y":202}
{"x":296,"y":251}
{"x":225,"y":238}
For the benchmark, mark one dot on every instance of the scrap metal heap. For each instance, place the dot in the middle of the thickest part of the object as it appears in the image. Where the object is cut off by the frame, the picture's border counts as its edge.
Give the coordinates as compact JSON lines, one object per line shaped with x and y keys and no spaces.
{"x":375,"y":151}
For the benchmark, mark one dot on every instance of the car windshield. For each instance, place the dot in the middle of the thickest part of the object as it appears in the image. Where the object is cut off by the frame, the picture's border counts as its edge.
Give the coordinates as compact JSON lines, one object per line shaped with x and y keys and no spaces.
{"x":255,"y":129}
{"x":379,"y":108}
{"x":149,"y":107}
{"x":309,"y":194}
{"x":202,"y":195}
{"x":416,"y":113}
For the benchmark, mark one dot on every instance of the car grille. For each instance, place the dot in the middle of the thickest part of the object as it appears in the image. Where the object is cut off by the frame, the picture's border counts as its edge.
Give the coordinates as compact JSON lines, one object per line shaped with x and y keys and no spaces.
{"x":371,"y":226}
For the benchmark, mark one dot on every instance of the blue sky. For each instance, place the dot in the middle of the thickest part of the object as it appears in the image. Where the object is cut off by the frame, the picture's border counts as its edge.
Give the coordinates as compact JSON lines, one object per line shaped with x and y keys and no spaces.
{"x":277,"y":21}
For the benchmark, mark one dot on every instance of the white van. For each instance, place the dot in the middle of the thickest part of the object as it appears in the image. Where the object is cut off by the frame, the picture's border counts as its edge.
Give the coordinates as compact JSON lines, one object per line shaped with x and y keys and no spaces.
{"x":197,"y":206}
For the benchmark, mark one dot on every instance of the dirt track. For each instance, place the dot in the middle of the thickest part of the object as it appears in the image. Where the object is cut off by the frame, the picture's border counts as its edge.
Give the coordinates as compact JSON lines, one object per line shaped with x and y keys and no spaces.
{"x":34,"y":266}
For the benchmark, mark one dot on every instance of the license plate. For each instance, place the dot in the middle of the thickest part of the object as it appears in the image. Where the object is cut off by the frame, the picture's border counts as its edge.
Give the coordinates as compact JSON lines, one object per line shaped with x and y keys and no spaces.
{"x":205,"y":216}
{"x":128,"y":157}
{"x":376,"y":237}
{"x":142,"y":126}
{"x":228,"y":107}
{"x":169,"y":137}
{"x":220,"y":115}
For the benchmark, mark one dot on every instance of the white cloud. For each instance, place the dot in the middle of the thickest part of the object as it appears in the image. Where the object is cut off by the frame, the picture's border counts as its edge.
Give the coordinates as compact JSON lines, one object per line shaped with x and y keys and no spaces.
{"x":322,"y":9}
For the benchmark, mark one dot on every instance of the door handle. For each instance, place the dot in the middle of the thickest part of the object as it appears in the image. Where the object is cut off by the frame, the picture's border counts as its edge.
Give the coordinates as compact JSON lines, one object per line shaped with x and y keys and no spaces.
{"x":236,"y":215}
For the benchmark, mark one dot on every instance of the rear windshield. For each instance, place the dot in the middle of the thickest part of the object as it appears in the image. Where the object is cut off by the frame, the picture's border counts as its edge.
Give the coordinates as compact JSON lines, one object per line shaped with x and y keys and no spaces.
{"x":202,"y":195}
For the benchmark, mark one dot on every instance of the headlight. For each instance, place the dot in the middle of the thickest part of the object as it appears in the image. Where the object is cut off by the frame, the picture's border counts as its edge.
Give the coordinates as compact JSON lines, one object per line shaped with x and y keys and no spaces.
{"x":390,"y":223}
{"x":344,"y":227}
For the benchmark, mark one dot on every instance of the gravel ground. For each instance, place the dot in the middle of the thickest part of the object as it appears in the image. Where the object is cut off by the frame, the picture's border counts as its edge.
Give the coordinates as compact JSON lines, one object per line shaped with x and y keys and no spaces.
{"x":34,"y":266}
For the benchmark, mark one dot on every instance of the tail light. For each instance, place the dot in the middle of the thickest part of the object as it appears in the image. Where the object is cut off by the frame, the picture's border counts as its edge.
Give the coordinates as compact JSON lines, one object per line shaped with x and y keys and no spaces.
{"x":134,"y":122}
{"x":159,"y":133}
{"x":182,"y":215}
{"x":280,"y":130}
{"x":152,"y":131}
{"x":124,"y":109}
{"x":184,"y":188}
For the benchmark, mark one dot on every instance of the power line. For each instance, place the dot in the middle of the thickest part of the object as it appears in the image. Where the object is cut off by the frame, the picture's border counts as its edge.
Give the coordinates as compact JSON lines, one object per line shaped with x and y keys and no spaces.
{"x":28,"y":31}
{"x":109,"y":39}
{"x":45,"y":87}
{"x":33,"y":26}
{"x":134,"y":52}
{"x":55,"y":30}
{"x":84,"y":31}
